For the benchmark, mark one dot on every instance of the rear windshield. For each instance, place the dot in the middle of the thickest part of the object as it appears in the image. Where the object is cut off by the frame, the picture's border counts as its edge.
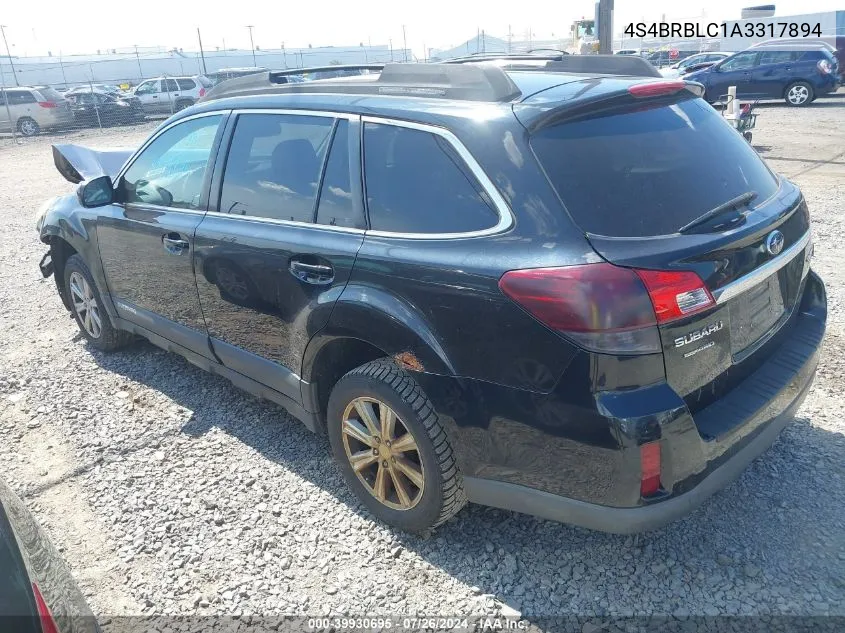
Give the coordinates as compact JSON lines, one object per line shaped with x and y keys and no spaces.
{"x":49,"y":94}
{"x":651,"y":171}
{"x":205,"y":81}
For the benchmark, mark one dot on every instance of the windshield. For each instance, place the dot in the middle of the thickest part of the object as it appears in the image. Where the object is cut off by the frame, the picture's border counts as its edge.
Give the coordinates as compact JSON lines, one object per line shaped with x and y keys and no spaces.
{"x":651,"y":171}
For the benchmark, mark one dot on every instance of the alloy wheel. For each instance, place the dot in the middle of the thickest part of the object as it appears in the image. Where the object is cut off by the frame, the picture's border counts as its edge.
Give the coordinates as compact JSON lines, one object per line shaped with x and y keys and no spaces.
{"x":85,"y":305}
{"x":798,"y":95}
{"x":29,"y":127}
{"x":383,"y":453}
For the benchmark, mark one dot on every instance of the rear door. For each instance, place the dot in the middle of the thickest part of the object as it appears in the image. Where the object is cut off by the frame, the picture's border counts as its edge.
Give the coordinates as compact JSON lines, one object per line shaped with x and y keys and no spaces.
{"x":642,"y":175}
{"x":772,"y":73}
{"x":280,"y":241}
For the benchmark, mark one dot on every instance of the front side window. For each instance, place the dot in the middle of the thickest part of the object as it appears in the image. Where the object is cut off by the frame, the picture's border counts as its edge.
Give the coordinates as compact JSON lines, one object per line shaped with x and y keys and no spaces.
{"x":170,"y":171}
{"x":416,"y":183}
{"x":739,"y":62}
{"x":147,"y":88}
{"x":274,"y":164}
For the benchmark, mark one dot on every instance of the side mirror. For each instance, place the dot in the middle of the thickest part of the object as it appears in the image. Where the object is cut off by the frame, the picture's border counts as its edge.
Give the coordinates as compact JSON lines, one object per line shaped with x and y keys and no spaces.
{"x":96,"y":193}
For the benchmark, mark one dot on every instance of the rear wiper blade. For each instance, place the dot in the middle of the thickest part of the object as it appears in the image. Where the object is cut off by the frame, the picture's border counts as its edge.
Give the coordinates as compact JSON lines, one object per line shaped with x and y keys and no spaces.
{"x":730,"y":205}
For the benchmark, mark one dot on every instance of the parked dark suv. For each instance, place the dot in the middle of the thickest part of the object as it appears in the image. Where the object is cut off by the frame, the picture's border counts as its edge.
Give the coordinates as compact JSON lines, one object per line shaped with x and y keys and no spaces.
{"x":795,"y":73}
{"x":577,"y":295}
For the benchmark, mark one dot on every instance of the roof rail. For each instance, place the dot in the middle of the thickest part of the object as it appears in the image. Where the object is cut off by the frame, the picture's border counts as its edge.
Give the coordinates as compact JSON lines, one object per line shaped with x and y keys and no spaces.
{"x":629,"y":65}
{"x":466,"y":82}
{"x":261,"y":81}
{"x":485,"y":57}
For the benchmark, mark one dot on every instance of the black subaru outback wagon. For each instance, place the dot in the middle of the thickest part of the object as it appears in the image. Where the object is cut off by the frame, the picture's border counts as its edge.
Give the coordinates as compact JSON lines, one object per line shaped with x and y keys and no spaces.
{"x":570,"y":290}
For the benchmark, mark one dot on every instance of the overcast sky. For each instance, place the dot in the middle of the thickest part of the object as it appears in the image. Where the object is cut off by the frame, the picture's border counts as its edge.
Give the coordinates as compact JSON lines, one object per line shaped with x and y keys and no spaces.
{"x":35,"y":27}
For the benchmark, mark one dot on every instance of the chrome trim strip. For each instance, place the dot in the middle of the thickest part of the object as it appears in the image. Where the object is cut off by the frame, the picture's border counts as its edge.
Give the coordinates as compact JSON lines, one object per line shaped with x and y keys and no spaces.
{"x":321,"y":113}
{"x":506,"y":219}
{"x":728,"y":292}
{"x":313,"y":225}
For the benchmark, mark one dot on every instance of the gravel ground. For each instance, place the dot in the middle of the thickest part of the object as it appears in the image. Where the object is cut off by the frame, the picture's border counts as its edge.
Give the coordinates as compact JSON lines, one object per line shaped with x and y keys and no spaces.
{"x":171,"y":492}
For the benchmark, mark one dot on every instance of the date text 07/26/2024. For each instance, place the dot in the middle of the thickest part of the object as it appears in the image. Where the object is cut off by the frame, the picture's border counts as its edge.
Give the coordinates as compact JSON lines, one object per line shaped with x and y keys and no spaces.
{"x":714,"y":29}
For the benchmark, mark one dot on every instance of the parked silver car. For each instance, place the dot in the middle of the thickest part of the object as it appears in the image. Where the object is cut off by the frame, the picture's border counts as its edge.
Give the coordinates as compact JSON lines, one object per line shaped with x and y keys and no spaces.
{"x":33,"y":109}
{"x":165,"y":95}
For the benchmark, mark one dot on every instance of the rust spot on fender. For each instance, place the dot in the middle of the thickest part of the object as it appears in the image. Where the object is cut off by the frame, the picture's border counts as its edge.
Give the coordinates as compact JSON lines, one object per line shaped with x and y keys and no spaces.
{"x":407,"y":360}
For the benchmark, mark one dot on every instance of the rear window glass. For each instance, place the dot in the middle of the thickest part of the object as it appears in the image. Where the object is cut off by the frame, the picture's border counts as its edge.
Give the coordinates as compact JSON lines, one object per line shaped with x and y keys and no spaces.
{"x":205,"y":81}
{"x":50,"y":94}
{"x":649,"y":172}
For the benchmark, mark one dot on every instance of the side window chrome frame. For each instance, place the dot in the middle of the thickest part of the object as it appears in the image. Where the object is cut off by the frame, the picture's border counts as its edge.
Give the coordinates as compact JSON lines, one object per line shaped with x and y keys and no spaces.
{"x":506,"y":220}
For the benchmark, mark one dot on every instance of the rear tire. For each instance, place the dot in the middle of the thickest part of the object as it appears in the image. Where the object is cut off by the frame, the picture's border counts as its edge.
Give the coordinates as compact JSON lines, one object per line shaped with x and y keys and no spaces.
{"x":87,"y":308}
{"x":28,"y":126}
{"x":799,"y":94}
{"x":432,"y":490}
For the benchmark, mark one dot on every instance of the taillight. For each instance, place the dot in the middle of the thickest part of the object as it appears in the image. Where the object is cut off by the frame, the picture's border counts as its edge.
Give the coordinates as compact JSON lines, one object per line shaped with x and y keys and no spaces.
{"x":825,"y":67}
{"x":676,"y":294}
{"x":602,"y":307}
{"x":48,"y":624}
{"x":649,"y":468}
{"x":606,"y":308}
{"x":48,"y":104}
{"x":202,"y":92}
{"x":656,"y":88}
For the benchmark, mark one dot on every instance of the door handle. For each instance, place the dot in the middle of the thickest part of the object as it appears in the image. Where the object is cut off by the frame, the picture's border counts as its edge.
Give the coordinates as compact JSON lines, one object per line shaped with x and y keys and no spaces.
{"x":174,"y":244}
{"x":319,"y":274}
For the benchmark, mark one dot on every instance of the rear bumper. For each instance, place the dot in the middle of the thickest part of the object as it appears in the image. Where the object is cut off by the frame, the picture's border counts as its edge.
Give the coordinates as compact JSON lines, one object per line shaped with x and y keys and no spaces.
{"x":695,"y":464}
{"x":510,"y":496}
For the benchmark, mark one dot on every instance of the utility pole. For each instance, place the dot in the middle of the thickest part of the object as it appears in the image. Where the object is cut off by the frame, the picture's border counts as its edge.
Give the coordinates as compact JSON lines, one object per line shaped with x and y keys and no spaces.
{"x":605,"y":30}
{"x":483,"y":41}
{"x":510,"y":37}
{"x":254,"y":63}
{"x":390,"y":44}
{"x":62,"y":66}
{"x":138,"y":58}
{"x":6,"y":100}
{"x":9,"y":54}
{"x":404,"y":43}
{"x":284,"y":56}
{"x":202,"y":53}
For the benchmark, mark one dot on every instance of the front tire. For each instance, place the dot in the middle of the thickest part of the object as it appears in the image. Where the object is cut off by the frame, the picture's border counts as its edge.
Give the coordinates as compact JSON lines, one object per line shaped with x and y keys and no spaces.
{"x":799,"y":94}
{"x":392,"y":449}
{"x":87,"y":308}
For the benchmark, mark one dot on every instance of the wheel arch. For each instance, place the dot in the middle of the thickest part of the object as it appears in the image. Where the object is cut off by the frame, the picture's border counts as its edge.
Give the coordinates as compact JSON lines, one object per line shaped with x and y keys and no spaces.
{"x":366,"y":324}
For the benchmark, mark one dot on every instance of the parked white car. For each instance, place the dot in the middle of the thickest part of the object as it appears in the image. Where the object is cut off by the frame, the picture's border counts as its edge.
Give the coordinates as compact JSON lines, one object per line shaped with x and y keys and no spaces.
{"x":165,"y":95}
{"x":678,"y":68}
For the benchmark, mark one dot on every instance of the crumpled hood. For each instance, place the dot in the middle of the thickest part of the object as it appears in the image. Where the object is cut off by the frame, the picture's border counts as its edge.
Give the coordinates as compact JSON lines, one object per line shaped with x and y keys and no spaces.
{"x":77,"y":163}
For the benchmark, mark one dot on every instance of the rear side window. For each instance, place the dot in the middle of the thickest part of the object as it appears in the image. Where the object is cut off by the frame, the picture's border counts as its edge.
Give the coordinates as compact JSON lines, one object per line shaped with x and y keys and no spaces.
{"x":274,"y":164}
{"x":336,"y":206}
{"x":778,"y":57}
{"x":172,"y":86}
{"x":651,"y":171}
{"x":416,"y":183}
{"x":20,"y":97}
{"x":186,"y":84}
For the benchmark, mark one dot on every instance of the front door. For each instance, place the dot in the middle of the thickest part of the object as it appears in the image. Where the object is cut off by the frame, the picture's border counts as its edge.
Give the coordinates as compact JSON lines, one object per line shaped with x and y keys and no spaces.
{"x":735,"y":71}
{"x":146,"y":239}
{"x":274,"y":253}
{"x":153,"y":99}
